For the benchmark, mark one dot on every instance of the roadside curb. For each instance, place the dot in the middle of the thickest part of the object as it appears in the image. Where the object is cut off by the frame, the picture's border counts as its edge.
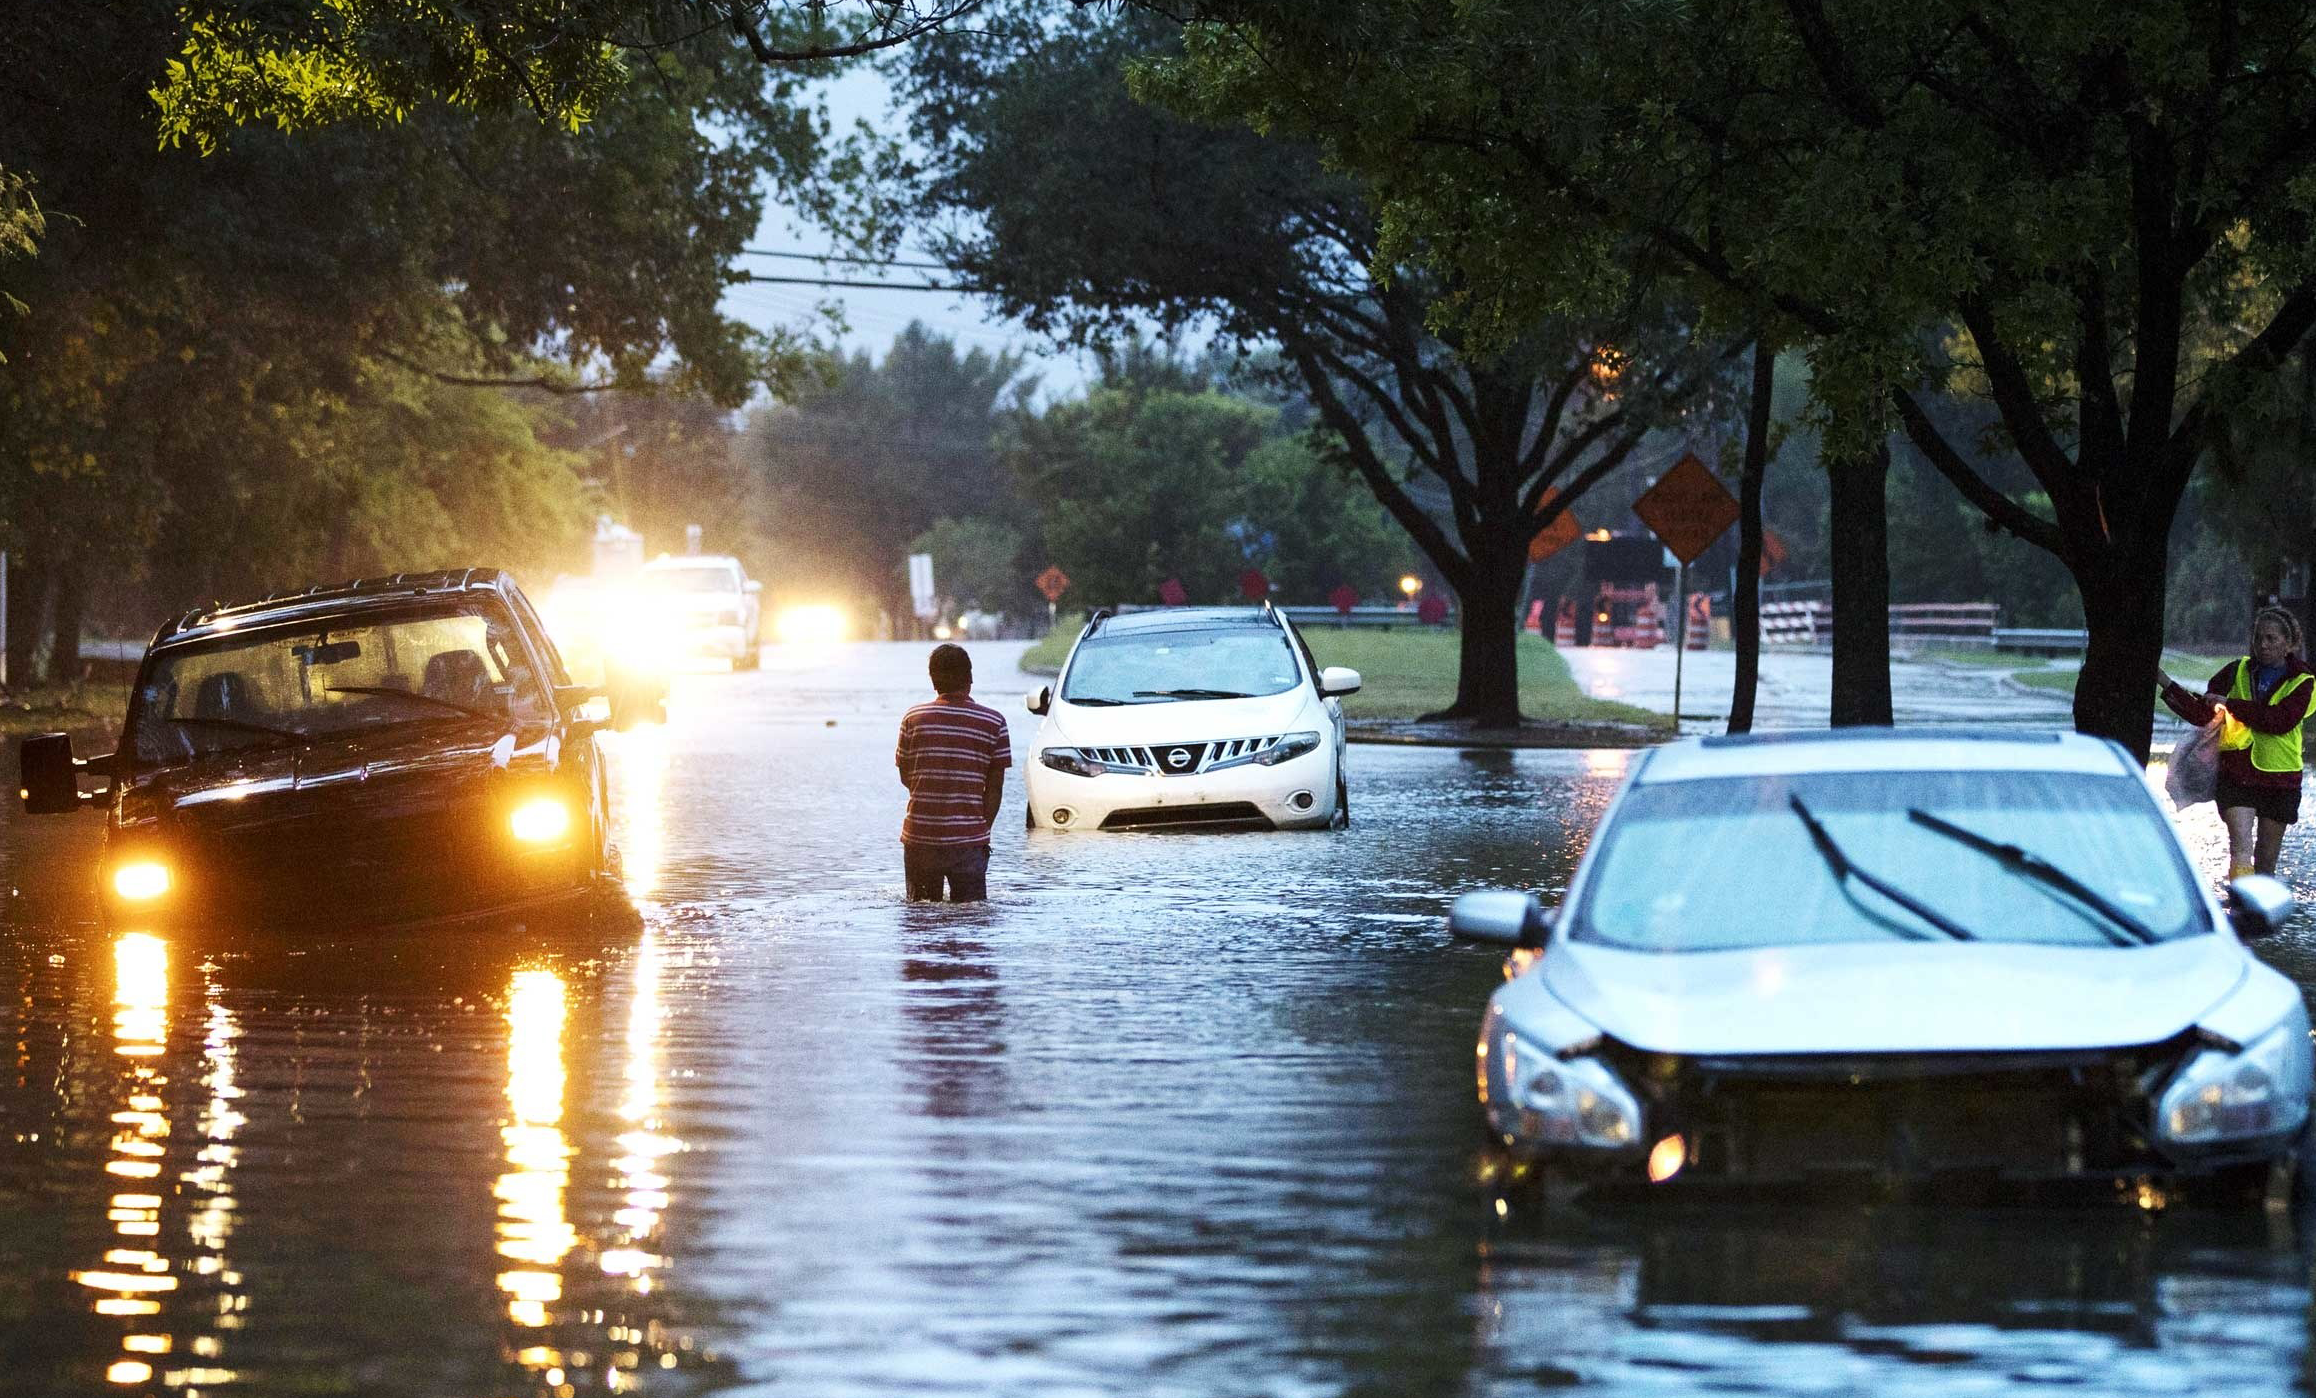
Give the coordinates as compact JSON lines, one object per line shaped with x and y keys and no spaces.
{"x":1409,"y":733}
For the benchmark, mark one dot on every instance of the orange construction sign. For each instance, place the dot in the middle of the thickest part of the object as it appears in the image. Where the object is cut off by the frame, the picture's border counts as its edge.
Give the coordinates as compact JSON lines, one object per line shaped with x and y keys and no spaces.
{"x":1559,"y":534}
{"x":1687,"y":508}
{"x":1053,"y":582}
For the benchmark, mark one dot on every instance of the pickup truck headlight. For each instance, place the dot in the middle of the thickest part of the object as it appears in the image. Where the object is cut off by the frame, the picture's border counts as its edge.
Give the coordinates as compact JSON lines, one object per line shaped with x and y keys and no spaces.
{"x":542,"y":820}
{"x":2260,"y":1091}
{"x":1575,"y":1101}
{"x":141,"y":880}
{"x":1072,"y":761}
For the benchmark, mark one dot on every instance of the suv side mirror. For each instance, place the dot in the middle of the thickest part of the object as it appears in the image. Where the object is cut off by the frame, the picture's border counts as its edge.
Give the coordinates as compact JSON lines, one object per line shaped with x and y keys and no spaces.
{"x":1040,"y":699}
{"x":2258,"y":905}
{"x":1337,"y":680}
{"x":46,"y":774}
{"x":1500,"y":916}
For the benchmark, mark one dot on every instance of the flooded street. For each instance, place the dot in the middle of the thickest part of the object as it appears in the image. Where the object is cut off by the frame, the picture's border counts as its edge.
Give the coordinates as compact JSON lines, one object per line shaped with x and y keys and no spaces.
{"x":1172,"y":1114}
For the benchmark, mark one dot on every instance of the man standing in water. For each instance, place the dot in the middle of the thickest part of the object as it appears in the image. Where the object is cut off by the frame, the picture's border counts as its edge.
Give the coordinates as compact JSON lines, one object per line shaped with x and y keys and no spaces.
{"x":952,"y":755}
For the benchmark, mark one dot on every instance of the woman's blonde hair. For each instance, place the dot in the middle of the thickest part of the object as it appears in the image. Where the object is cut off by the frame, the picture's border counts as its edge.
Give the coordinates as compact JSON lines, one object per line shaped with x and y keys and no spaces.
{"x":2289,"y":624}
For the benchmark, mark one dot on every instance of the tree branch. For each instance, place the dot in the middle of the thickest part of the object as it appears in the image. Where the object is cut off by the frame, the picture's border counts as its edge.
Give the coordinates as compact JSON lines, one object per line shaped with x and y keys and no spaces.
{"x":2005,"y":512}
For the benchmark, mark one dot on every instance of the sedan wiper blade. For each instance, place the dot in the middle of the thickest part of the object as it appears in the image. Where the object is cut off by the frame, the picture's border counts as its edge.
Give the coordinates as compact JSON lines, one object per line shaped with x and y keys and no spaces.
{"x":468,"y":709}
{"x":1191,"y":694}
{"x":2043,"y":871}
{"x":1844,"y":867}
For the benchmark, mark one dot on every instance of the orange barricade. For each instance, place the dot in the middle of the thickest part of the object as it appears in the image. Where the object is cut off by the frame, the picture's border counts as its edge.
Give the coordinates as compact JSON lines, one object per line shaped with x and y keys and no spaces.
{"x":1564,"y":624}
{"x":1700,"y":623}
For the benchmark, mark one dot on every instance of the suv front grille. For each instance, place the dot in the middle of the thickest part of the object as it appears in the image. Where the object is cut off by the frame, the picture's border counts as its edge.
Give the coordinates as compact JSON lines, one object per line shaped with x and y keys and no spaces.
{"x":1182,"y":759}
{"x":1218,"y":813}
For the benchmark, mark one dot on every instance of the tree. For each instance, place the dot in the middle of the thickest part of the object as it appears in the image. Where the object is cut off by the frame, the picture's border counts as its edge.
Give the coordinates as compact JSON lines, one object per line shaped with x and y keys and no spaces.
{"x":233,"y":370}
{"x":855,"y":468}
{"x":1194,"y":223}
{"x":2105,"y":200}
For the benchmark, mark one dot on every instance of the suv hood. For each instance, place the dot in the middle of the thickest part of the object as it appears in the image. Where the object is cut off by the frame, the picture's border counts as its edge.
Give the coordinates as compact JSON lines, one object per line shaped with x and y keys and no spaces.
{"x":1902,"y":997}
{"x":1182,"y":720}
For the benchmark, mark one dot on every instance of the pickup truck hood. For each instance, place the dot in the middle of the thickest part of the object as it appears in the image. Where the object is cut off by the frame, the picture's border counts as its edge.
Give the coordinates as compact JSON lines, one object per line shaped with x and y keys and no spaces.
{"x":423,"y":763}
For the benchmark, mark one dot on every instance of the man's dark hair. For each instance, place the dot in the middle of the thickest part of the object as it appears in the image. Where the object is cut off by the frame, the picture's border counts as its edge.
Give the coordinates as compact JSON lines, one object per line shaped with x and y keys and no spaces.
{"x":951,"y":669}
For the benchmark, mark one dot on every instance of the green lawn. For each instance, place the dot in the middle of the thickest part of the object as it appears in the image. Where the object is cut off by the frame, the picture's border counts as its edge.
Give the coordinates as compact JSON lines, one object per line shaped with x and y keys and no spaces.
{"x":1407,"y":673}
{"x":2189,"y":668}
{"x":62,"y":709}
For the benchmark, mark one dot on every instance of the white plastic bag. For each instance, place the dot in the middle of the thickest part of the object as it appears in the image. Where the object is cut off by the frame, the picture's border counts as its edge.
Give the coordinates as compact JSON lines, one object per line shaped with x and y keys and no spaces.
{"x":2194,"y":775}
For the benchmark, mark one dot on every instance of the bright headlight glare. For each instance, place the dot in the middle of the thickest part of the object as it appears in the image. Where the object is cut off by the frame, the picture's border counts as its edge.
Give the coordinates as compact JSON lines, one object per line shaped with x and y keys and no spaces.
{"x":1070,"y":760}
{"x":540,"y":820}
{"x":2221,"y":1096}
{"x":1577,"y":1101}
{"x":141,"y":880}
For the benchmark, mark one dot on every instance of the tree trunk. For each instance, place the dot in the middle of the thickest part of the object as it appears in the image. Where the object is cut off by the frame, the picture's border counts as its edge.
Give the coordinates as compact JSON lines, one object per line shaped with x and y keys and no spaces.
{"x":71,"y":604}
{"x":1859,"y":538}
{"x":26,"y":585}
{"x":1488,"y":671}
{"x":1745,"y":605}
{"x":2123,"y":612}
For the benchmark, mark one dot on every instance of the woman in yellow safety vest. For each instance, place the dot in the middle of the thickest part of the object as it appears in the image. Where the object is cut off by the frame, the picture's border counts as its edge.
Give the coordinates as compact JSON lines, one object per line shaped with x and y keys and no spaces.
{"x":2263,"y":699}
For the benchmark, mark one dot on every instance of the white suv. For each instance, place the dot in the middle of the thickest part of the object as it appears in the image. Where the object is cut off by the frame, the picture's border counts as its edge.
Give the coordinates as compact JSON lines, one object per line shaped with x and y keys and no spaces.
{"x":711,"y":602}
{"x":1190,"y":716}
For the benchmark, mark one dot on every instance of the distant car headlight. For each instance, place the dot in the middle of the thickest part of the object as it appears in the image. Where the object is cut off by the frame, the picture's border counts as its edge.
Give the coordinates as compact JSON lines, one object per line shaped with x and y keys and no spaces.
{"x":1576,"y":1101}
{"x":542,"y":820}
{"x":810,"y":624}
{"x":1070,"y":760}
{"x":2220,"y":1096}
{"x":141,"y":880}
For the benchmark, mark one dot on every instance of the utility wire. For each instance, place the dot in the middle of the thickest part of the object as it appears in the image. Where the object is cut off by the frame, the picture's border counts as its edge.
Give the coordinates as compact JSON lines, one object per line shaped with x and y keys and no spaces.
{"x":849,"y":261}
{"x":863,"y":285}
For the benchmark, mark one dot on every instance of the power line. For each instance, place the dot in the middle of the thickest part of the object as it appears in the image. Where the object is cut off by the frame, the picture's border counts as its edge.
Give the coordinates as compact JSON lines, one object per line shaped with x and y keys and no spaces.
{"x":849,"y":261}
{"x":862,"y":285}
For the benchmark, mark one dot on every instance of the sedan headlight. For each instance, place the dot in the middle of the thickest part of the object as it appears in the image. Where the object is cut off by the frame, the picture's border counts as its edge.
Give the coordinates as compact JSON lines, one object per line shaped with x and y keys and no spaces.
{"x":1576,"y":1101}
{"x":1072,"y":761}
{"x":141,"y":880}
{"x":2259,"y":1091}
{"x":542,"y":820}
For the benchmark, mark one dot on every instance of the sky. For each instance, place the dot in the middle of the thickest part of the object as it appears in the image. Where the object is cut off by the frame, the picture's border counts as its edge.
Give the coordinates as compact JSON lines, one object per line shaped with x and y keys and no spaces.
{"x":875,"y":318}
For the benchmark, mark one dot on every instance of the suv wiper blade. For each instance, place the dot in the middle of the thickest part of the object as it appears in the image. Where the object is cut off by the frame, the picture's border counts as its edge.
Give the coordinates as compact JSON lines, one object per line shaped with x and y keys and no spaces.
{"x":239,"y":725}
{"x":1191,"y":694}
{"x":1097,"y":700}
{"x":2043,"y":871}
{"x":1844,"y":867}
{"x":452,"y":704}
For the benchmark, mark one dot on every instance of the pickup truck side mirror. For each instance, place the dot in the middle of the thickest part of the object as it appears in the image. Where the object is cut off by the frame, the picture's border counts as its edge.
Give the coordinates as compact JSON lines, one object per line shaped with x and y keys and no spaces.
{"x":753,"y":585}
{"x":1338,"y":680}
{"x":1501,"y":917}
{"x":47,"y":774}
{"x":1040,"y":699}
{"x":2258,"y":906}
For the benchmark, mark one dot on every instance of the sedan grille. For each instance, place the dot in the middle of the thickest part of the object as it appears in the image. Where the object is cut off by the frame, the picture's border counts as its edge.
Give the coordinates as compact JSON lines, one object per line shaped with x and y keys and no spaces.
{"x":1182,"y":759}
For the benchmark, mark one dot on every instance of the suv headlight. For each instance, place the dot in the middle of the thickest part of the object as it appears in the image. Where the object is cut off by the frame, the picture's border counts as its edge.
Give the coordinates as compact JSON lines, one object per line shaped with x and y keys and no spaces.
{"x":1072,"y":761}
{"x":1292,"y":745}
{"x":1576,"y":1101}
{"x":2259,"y":1091}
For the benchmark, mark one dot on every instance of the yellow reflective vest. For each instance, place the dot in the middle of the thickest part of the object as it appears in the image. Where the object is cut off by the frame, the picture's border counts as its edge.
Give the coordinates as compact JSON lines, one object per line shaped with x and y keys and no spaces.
{"x":2271,"y":752}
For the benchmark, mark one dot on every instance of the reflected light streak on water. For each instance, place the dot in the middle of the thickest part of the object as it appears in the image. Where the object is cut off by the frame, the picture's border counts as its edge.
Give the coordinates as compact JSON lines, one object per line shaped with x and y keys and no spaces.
{"x":638,"y":773}
{"x":533,"y":1229}
{"x":644,"y":1145}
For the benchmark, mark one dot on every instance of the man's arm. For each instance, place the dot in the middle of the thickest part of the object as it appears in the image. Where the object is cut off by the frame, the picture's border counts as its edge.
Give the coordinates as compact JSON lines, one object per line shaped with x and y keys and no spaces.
{"x":903,"y":758}
{"x":992,"y":793}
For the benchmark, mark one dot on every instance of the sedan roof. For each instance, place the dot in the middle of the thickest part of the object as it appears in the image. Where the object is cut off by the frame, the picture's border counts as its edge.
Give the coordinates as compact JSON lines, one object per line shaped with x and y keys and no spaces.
{"x":1885,"y":750}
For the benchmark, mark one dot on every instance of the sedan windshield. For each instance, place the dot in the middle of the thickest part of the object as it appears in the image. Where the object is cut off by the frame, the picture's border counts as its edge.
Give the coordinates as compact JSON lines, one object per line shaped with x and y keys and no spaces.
{"x":1159,"y":667}
{"x":282,"y":686}
{"x":2061,"y":859}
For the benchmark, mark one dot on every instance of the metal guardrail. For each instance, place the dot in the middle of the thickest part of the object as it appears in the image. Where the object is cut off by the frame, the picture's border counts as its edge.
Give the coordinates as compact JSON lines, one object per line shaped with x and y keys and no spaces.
{"x":2042,"y":640}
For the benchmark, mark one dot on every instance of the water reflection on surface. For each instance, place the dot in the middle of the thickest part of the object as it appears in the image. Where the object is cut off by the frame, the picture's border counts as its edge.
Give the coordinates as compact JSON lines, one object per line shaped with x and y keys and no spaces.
{"x":1172,"y":1114}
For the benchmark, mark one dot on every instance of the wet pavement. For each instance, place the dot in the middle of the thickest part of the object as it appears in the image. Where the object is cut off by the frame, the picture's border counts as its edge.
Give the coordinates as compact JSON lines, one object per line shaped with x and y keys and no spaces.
{"x":1172,"y":1114}
{"x":1795,"y":689}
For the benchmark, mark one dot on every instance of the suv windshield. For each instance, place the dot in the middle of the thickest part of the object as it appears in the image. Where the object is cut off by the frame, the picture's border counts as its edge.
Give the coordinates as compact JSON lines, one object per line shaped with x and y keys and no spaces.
{"x":1159,"y":667}
{"x":286,"y":684}
{"x":1729,"y":863}
{"x":694,"y":578}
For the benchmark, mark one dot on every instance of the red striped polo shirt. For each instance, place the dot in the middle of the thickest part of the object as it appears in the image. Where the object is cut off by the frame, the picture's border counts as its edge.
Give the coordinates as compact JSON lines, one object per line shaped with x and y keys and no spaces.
{"x":948,"y":748}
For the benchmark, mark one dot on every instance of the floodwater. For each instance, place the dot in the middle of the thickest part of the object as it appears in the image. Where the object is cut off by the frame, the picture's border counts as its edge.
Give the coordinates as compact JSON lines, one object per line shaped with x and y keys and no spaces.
{"x":1172,"y":1114}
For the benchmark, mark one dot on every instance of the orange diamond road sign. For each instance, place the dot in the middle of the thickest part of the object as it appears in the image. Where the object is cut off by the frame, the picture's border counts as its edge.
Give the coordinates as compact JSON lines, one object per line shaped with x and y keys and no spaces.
{"x":1559,"y":534}
{"x":1687,"y":509}
{"x":1053,"y":582}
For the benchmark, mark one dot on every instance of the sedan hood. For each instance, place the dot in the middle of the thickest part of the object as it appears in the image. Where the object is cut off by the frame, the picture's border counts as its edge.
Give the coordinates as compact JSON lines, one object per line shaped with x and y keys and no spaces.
{"x":1186,"y":720}
{"x":1905,"y":997}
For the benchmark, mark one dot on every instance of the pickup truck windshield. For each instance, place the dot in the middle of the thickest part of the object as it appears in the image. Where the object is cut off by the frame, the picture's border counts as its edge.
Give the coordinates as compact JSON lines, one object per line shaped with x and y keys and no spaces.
{"x":285,"y":685}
